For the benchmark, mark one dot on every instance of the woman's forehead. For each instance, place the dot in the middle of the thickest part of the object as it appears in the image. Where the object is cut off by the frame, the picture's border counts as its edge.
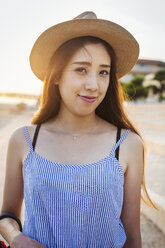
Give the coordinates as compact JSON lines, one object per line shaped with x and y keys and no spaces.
{"x":89,"y":52}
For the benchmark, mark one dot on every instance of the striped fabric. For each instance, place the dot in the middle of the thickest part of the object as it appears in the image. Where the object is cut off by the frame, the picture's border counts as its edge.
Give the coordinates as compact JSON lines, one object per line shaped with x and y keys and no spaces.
{"x":74,"y":206}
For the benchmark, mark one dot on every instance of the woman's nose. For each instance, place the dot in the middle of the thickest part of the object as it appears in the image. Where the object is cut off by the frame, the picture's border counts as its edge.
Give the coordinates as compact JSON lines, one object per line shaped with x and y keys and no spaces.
{"x":91,"y":82}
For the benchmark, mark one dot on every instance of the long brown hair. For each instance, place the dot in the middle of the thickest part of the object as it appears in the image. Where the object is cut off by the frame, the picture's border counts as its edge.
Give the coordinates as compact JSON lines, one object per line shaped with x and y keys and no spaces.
{"x":110,"y":109}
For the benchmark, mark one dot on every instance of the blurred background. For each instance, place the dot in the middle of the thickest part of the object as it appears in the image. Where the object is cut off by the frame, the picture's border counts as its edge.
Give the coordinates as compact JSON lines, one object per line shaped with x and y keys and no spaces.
{"x":21,"y":22}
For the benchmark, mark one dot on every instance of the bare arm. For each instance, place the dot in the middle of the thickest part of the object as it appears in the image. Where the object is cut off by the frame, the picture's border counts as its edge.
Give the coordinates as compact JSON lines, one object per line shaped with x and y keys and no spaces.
{"x":13,"y":188}
{"x":132,"y":191}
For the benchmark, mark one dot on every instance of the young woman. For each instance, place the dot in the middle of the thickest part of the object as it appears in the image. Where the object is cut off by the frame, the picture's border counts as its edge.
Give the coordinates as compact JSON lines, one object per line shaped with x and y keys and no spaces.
{"x":78,"y":191}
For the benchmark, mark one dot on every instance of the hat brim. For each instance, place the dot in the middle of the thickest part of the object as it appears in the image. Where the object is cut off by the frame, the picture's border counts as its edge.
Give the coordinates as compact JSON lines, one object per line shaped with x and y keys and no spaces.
{"x":124,"y":44}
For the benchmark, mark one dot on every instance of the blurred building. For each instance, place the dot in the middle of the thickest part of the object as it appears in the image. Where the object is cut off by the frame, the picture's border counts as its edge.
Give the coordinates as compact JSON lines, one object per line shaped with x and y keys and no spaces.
{"x":144,"y":67}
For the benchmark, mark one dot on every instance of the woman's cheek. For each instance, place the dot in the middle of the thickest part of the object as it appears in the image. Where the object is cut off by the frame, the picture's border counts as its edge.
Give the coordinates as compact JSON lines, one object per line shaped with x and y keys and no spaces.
{"x":104,"y":89}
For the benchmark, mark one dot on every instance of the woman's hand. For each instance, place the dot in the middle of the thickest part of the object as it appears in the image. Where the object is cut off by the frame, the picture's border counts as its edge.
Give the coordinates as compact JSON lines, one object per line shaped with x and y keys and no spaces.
{"x":23,"y":241}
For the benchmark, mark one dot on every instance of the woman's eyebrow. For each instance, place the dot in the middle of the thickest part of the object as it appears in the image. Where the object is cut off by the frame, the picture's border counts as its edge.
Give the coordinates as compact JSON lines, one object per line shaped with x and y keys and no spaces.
{"x":88,"y":63}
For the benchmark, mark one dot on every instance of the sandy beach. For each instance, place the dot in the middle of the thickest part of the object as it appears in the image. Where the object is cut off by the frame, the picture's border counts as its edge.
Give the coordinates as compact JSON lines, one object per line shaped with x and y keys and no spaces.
{"x":11,"y":118}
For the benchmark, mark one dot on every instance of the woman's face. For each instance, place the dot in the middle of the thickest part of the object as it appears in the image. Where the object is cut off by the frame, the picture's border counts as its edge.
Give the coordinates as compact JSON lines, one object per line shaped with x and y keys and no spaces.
{"x":85,"y":80}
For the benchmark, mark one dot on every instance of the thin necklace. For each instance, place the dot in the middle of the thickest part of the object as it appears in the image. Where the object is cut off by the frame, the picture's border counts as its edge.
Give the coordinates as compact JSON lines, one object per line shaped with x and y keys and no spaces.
{"x":76,"y":135}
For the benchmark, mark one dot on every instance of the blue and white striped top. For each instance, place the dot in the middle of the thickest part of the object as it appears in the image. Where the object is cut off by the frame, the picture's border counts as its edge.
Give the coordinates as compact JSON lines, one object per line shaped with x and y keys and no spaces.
{"x":74,"y":206}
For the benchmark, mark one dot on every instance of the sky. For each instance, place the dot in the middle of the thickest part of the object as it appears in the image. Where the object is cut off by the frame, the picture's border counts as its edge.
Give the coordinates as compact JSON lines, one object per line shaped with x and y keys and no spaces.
{"x":21,"y":22}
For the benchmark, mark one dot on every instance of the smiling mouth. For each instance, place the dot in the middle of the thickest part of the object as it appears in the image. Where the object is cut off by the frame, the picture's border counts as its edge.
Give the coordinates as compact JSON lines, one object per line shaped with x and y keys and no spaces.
{"x":88,"y":98}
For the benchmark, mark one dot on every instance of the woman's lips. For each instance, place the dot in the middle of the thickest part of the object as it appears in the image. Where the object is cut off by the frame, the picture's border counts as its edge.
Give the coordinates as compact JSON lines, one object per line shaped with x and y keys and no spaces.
{"x":88,"y":98}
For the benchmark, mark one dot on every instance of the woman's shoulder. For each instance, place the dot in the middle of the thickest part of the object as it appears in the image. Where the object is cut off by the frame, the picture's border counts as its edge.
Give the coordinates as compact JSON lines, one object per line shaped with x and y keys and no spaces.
{"x":18,"y":142}
{"x":18,"y":135}
{"x":132,"y":139}
{"x":133,"y":148}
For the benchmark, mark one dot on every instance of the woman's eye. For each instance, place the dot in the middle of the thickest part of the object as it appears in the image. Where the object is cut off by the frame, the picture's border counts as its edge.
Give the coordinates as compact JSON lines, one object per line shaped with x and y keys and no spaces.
{"x":104,"y":72}
{"x":81,"y":70}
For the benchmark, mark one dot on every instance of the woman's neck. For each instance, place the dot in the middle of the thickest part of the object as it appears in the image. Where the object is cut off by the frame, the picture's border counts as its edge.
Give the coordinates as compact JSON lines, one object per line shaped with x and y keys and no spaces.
{"x":75,"y":124}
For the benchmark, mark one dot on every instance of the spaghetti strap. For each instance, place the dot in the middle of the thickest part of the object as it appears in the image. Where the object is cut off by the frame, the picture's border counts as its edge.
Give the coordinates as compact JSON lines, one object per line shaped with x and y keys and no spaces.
{"x":119,"y":141}
{"x":28,"y":139}
{"x":32,"y":144}
{"x":117,"y":138}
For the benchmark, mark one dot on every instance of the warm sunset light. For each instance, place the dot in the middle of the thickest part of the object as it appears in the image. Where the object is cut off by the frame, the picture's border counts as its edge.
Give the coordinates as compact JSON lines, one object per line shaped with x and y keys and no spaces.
{"x":22,"y":22}
{"x":82,"y":124}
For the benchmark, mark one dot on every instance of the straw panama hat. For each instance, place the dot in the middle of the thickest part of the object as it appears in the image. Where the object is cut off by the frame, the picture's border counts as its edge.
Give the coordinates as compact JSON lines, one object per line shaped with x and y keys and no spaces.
{"x":86,"y":24}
